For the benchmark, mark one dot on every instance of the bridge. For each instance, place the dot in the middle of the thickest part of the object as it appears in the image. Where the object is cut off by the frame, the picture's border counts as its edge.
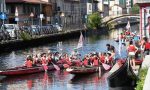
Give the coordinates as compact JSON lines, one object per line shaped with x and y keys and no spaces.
{"x":120,"y":19}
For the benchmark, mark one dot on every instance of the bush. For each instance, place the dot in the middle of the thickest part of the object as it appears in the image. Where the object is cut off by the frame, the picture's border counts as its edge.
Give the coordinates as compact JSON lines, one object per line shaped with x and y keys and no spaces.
{"x":142,"y":76}
{"x":94,"y":21}
{"x":25,"y":36}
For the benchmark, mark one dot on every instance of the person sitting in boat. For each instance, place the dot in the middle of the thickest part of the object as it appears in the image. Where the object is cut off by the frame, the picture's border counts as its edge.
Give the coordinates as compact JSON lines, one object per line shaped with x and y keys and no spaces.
{"x":110,"y":58}
{"x":86,"y":61}
{"x":29,"y":62}
{"x":36,"y":60}
{"x":44,"y":61}
{"x":102,"y":57}
{"x":132,"y":49}
{"x":95,"y":61}
{"x":49,"y":58}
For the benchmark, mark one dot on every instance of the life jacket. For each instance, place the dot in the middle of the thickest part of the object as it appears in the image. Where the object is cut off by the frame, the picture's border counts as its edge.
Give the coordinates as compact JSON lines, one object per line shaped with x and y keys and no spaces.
{"x":131,"y":48}
{"x":95,"y":62}
{"x":43,"y":61}
{"x":147,"y":46}
{"x":29,"y":63}
{"x":102,"y":58}
{"x":85,"y":62}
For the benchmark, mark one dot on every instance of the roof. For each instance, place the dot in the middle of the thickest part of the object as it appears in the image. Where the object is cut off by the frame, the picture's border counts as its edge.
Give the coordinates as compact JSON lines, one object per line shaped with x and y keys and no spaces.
{"x":27,"y":1}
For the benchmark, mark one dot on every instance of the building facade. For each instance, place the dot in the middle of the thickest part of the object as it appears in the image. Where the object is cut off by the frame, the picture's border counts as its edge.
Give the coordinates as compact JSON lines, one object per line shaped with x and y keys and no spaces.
{"x":144,"y":17}
{"x":25,"y":8}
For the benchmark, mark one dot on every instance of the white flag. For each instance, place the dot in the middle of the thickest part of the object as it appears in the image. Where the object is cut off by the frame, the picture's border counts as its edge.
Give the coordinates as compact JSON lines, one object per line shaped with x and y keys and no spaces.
{"x":128,"y":26}
{"x":80,"y":43}
{"x":16,"y":12}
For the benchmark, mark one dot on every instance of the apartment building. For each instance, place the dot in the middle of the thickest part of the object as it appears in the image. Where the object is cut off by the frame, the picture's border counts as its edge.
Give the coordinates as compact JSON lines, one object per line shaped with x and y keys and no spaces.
{"x":25,"y":8}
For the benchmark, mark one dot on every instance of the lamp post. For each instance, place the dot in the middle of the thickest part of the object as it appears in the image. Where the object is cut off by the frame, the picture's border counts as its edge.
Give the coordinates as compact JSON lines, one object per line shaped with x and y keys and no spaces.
{"x":31,"y":15}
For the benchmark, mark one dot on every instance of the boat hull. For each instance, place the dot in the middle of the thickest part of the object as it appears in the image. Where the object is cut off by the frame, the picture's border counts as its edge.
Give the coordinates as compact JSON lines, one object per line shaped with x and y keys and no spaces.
{"x":123,"y":76}
{"x":84,"y":70}
{"x":25,"y":70}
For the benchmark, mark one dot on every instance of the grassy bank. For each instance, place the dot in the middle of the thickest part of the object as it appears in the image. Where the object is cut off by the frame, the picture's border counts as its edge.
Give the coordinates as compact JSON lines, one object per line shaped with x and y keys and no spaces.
{"x":142,"y":76}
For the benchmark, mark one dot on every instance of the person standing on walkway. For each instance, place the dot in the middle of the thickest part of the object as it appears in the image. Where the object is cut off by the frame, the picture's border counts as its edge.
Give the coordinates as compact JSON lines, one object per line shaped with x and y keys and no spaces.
{"x":132,"y":49}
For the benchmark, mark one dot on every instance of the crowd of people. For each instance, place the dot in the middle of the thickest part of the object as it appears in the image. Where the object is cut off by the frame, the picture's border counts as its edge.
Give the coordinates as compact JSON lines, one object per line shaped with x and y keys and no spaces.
{"x":91,"y":59}
{"x":135,"y":47}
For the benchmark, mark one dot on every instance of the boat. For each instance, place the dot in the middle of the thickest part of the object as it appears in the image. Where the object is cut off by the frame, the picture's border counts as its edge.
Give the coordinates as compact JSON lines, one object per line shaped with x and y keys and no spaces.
{"x":122,"y":75}
{"x":84,"y":70}
{"x":24,"y":70}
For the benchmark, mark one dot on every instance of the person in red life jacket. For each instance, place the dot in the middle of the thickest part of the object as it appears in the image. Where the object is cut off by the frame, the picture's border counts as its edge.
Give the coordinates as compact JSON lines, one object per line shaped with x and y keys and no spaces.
{"x":95,"y":61}
{"x":102,"y":57}
{"x":110,"y":59}
{"x":49,"y":58}
{"x":44,"y":61}
{"x":146,"y":46}
{"x":132,"y":49}
{"x":29,"y":62}
{"x":86,"y":60}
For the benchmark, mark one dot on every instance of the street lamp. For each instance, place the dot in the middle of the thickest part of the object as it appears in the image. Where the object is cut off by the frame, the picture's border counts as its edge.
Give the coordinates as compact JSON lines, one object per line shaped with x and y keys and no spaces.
{"x":32,"y":15}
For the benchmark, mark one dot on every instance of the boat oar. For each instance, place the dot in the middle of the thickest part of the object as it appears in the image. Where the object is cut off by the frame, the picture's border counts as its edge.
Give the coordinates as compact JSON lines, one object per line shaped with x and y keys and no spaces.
{"x":55,"y":66}
{"x":106,"y":66}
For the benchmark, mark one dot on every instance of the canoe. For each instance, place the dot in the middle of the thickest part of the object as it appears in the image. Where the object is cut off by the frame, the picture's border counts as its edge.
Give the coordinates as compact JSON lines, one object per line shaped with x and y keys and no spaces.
{"x":84,"y":70}
{"x":122,"y":75}
{"x":24,"y":70}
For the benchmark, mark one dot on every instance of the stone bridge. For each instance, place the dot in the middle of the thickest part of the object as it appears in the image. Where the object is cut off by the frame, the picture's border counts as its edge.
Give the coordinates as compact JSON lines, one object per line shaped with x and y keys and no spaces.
{"x":122,"y":18}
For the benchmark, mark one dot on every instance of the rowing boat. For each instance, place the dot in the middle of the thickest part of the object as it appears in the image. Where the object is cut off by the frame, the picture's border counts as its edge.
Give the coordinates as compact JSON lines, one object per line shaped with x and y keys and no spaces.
{"x":85,"y":70}
{"x":24,"y":70}
{"x":122,"y":75}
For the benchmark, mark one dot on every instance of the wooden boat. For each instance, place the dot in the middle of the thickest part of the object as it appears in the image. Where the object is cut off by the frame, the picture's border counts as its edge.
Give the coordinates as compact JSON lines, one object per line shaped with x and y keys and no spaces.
{"x":24,"y":70}
{"x":122,"y":75}
{"x":84,"y":70}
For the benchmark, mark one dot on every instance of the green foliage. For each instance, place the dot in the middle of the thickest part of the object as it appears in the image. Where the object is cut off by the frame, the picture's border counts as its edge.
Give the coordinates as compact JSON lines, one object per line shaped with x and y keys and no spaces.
{"x":142,"y":76}
{"x":25,"y":36}
{"x":94,"y":21}
{"x":135,"y":9}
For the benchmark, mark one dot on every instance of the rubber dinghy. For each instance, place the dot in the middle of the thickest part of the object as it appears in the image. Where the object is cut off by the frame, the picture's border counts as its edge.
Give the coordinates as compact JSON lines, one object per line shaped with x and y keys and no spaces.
{"x":122,"y":75}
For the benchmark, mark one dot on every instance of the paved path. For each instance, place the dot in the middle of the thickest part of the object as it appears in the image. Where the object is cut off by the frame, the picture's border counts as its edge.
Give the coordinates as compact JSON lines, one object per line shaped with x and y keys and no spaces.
{"x":146,"y":64}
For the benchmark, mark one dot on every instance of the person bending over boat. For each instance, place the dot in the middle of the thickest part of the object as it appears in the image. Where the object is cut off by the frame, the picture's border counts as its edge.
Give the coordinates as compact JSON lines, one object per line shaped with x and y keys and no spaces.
{"x":29,"y":61}
{"x":132,"y":49}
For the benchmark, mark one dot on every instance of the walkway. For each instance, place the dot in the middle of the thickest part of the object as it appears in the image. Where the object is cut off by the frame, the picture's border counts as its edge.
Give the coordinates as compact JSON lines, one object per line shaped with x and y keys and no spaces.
{"x":146,"y":64}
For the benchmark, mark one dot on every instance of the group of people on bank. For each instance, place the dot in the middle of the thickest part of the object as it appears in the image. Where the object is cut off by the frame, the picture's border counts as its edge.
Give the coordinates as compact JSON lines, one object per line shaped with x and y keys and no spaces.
{"x":137,"y":47}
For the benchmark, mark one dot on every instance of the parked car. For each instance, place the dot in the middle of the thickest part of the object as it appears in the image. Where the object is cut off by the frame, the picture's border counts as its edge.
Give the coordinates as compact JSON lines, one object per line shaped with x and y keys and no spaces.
{"x":59,"y":27}
{"x":11,"y":29}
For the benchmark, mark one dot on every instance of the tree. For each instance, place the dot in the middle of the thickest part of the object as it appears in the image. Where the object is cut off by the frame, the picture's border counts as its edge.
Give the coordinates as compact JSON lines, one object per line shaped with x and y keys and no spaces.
{"x":94,"y":21}
{"x":135,"y":9}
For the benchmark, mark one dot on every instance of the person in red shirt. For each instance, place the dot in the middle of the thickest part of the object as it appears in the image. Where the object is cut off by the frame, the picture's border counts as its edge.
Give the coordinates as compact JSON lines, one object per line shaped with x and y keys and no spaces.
{"x":44,"y":61}
{"x":132,"y":49}
{"x":28,"y":62}
{"x":146,"y":46}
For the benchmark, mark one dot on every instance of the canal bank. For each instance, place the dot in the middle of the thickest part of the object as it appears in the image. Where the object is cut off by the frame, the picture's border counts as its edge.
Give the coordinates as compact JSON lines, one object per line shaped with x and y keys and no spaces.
{"x":11,"y":45}
{"x":7,"y":46}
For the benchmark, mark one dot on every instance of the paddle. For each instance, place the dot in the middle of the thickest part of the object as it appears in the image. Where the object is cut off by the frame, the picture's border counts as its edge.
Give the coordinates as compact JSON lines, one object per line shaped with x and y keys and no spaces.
{"x":106,"y":66}
{"x":55,"y":66}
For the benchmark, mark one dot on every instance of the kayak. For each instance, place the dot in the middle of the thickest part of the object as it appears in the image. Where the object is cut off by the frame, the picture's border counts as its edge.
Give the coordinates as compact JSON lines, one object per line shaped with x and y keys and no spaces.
{"x":24,"y":70}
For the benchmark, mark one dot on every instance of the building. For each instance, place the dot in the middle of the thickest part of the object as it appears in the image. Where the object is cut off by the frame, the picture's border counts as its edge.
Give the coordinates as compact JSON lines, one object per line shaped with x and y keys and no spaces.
{"x":25,"y":8}
{"x":144,"y":17}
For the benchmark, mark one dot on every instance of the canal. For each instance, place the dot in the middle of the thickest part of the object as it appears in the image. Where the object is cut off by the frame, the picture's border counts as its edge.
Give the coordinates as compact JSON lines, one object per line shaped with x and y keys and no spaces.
{"x":59,"y":80}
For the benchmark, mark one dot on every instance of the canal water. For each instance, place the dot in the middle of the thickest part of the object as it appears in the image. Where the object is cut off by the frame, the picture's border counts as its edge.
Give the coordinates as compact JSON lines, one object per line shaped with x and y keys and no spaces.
{"x":59,"y":80}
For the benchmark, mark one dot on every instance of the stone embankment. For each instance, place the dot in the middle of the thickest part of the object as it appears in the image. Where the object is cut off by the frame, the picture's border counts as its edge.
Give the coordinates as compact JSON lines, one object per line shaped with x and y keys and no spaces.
{"x":6,"y":46}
